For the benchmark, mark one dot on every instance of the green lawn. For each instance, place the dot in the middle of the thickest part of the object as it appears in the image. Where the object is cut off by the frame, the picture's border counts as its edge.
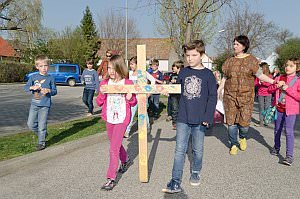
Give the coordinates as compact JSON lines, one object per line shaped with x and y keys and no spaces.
{"x":23,"y":143}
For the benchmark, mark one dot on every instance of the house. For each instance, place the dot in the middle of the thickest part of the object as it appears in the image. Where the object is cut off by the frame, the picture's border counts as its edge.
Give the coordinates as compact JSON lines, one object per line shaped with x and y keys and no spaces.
{"x":207,"y":62}
{"x":156,"y":48}
{"x":7,"y":52}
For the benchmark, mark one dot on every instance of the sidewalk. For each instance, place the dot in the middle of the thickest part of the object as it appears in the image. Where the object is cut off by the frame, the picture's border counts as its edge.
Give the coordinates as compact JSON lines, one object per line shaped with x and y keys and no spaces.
{"x":77,"y":169}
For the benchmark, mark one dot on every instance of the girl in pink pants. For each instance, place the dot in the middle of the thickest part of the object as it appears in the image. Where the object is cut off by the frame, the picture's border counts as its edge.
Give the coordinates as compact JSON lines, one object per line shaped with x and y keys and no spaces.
{"x":116,"y":112}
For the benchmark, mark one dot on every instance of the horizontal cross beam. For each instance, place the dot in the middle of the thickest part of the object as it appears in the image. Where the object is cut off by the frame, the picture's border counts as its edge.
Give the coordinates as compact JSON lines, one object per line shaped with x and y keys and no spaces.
{"x":142,"y":89}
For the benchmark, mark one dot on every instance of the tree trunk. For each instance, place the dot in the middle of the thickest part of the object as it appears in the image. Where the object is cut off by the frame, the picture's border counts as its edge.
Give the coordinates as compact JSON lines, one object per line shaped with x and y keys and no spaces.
{"x":188,"y":32}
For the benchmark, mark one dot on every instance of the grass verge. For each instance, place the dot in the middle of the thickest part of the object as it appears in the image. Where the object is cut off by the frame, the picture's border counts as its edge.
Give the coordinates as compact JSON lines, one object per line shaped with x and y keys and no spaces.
{"x":23,"y":143}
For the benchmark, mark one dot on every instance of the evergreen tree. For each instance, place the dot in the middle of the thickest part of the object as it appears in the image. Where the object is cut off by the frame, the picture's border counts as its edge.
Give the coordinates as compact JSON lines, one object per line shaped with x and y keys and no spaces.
{"x":88,"y":26}
{"x":89,"y":32}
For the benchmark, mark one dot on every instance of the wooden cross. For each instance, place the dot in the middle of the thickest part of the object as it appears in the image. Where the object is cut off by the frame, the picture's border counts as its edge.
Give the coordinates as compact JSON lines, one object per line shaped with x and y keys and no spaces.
{"x":141,"y":89}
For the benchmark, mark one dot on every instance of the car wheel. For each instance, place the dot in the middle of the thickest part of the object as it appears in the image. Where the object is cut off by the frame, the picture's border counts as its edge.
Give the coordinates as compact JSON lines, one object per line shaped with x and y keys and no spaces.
{"x":71,"y":82}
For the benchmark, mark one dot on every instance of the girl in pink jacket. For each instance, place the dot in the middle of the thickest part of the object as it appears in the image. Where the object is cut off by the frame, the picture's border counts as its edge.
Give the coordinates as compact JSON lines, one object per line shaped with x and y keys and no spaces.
{"x":287,"y":109}
{"x":116,"y":113}
{"x":264,"y":97}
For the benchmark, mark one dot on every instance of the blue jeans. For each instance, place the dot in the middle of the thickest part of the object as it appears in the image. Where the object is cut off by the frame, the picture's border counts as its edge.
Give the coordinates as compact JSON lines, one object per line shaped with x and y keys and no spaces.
{"x":87,"y":98}
{"x":37,"y":122}
{"x":154,"y":104}
{"x":174,"y":107}
{"x":264,"y":102}
{"x":133,"y":111}
{"x":183,"y":133}
{"x":233,"y":133}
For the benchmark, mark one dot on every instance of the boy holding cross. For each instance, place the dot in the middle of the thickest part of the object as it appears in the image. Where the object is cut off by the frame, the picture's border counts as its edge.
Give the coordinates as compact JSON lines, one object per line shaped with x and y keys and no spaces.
{"x":196,"y":111}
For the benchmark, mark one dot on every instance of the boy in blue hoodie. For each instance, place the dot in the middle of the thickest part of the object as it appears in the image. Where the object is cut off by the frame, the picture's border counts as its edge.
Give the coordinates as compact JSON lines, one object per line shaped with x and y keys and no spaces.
{"x":196,"y":111}
{"x":90,"y":80}
{"x":42,"y":87}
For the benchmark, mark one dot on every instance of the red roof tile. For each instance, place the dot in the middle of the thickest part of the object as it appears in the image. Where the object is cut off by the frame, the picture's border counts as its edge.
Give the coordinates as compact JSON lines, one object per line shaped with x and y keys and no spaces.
{"x":6,"y":50}
{"x":158,"y":48}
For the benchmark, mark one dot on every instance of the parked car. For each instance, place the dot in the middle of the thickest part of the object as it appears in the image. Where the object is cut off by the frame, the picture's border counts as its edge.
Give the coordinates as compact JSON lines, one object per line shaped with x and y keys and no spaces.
{"x":63,"y":73}
{"x":166,"y":77}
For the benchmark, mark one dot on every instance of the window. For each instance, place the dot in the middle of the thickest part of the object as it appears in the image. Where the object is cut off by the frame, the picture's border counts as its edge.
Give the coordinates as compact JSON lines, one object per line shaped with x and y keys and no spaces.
{"x":68,"y":69}
{"x":51,"y":69}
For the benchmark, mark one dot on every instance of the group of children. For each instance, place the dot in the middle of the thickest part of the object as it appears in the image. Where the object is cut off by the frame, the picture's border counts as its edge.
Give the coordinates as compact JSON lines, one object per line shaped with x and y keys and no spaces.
{"x":195,"y":113}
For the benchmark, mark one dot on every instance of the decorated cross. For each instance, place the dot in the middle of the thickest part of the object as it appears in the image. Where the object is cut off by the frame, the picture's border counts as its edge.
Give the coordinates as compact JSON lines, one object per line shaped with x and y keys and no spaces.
{"x":141,"y":89}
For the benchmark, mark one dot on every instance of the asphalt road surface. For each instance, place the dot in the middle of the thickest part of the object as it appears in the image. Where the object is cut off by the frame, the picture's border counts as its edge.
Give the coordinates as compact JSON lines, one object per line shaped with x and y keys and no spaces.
{"x":15,"y":104}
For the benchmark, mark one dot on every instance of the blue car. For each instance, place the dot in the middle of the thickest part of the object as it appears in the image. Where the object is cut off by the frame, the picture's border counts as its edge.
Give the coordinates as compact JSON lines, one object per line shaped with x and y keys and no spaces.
{"x":63,"y":73}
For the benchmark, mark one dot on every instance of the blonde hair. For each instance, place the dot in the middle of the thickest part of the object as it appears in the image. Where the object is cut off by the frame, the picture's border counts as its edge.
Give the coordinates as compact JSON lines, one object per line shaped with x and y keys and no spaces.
{"x":118,"y":64}
{"x":40,"y":58}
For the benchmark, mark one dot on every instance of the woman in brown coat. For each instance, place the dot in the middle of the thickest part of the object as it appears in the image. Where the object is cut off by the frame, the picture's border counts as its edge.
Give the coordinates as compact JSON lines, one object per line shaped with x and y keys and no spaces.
{"x":238,"y":98}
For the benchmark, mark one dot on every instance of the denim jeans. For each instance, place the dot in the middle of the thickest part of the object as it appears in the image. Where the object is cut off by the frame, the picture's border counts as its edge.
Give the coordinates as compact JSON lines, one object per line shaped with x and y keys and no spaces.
{"x":37,"y":122}
{"x":133,"y":111}
{"x":87,"y":98}
{"x":264,"y":102}
{"x":183,"y":133}
{"x":233,"y":133}
{"x":154,"y":103}
{"x":174,"y":107}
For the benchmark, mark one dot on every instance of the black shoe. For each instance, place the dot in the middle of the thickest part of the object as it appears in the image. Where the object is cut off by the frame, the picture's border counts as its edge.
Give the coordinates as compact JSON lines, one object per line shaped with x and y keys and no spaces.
{"x":40,"y":147}
{"x":288,"y":161}
{"x":274,"y":151}
{"x":124,"y":166}
{"x":109,"y":185}
{"x":172,"y":187}
{"x":195,"y":179}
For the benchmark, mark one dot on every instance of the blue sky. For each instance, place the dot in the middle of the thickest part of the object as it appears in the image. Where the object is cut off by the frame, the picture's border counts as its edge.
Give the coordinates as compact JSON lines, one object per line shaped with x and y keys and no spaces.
{"x":61,"y":13}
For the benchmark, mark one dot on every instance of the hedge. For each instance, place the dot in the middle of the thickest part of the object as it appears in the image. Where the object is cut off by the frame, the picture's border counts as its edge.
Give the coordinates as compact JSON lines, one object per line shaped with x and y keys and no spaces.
{"x":14,"y":71}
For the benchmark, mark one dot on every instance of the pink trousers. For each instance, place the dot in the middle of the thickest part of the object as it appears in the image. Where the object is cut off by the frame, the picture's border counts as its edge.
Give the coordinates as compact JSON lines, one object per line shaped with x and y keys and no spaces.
{"x":115,"y":133}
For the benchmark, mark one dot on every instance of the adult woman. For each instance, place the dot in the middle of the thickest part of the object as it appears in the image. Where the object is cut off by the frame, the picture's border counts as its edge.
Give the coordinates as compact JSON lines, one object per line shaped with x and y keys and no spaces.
{"x":238,"y":83}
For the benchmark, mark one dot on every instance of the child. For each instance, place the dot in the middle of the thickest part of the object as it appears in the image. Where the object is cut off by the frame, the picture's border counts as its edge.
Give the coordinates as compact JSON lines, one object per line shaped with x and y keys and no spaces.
{"x":174,"y":98}
{"x":42,"y":87}
{"x":154,"y":98}
{"x":116,"y":113}
{"x":287,"y":109}
{"x":219,"y":113}
{"x":264,"y":97}
{"x":133,"y":77}
{"x":91,"y":81}
{"x":196,"y":110}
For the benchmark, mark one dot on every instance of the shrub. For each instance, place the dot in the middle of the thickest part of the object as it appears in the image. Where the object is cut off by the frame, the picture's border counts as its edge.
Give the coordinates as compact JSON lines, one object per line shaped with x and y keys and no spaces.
{"x":13,"y":71}
{"x":288,"y":50}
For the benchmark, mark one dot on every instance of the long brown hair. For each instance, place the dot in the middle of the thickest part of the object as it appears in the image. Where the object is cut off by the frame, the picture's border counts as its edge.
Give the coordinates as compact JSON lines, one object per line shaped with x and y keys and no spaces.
{"x":265,"y":68}
{"x":118,"y":64}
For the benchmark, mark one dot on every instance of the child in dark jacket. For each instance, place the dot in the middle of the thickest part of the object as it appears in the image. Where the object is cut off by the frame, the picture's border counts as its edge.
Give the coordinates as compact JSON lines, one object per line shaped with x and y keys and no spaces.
{"x":196,"y":111}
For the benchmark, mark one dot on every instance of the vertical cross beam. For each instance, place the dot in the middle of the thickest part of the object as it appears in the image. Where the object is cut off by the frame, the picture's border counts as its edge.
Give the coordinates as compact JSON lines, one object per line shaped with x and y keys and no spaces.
{"x":142,"y":111}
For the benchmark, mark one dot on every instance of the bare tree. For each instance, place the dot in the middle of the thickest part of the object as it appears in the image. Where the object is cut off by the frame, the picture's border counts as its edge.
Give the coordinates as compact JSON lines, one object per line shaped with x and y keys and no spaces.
{"x":184,"y":20}
{"x":112,"y":27}
{"x":263,"y":35}
{"x":26,"y":16}
{"x":3,"y":18}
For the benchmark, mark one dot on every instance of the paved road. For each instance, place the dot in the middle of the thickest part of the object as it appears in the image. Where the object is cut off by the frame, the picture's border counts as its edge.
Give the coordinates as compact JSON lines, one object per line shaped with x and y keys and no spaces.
{"x":77,"y":169}
{"x":15,"y":104}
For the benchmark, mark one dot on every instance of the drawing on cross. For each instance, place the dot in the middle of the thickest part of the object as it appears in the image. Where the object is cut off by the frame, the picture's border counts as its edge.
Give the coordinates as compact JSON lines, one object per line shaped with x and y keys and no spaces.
{"x":141,"y":89}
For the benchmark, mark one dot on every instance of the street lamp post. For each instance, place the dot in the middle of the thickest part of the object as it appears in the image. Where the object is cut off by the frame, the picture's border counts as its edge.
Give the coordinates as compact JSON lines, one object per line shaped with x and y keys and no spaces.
{"x":126,"y":32}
